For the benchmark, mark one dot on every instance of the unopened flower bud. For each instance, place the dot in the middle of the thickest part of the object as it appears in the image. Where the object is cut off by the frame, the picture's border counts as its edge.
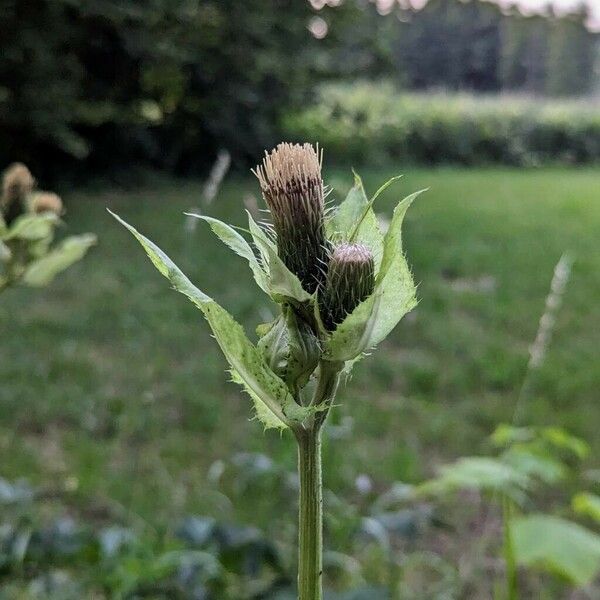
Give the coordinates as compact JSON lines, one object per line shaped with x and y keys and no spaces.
{"x":291,"y":350}
{"x":350,"y":280}
{"x":42,"y":202}
{"x":17,"y":184}
{"x":291,"y":184}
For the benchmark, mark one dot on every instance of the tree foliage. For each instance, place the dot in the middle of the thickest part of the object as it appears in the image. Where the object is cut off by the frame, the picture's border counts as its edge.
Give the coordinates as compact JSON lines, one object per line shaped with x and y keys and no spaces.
{"x":167,"y":82}
{"x":106,"y":83}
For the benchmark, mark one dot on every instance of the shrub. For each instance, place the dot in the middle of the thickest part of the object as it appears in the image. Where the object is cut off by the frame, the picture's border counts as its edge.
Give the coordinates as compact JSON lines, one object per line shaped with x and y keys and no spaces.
{"x":375,"y":123}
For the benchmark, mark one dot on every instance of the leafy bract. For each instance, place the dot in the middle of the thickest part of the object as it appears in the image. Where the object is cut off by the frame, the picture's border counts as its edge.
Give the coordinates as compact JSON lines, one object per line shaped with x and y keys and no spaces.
{"x":274,"y":404}
{"x":557,"y":545}
{"x":31,"y":227}
{"x":43,"y":270}
{"x":354,"y":220}
{"x":282,"y":282}
{"x":230,"y":237}
{"x":392,"y":247}
{"x":394,"y":296}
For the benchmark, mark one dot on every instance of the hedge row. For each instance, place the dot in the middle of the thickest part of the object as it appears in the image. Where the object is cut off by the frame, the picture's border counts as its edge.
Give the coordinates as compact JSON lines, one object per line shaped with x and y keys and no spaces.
{"x":374,"y":123}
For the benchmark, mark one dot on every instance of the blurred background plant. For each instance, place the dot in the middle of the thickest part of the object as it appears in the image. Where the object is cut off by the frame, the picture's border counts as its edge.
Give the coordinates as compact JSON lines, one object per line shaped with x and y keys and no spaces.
{"x":28,"y":220}
{"x":122,"y":477}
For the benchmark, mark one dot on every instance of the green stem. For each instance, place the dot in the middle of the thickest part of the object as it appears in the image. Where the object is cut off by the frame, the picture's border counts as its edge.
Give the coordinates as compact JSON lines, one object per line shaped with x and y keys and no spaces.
{"x":310,"y":520}
{"x":310,"y":530}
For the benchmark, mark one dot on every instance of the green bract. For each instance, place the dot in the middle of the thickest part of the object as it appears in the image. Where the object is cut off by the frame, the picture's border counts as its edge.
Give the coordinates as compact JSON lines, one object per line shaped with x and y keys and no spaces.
{"x":291,"y":348}
{"x":395,"y":292}
{"x":274,"y":404}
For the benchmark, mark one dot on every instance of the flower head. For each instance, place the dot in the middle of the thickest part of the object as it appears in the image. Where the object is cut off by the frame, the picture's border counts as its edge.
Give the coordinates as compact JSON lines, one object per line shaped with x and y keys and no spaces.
{"x":291,"y":184}
{"x":17,"y":184}
{"x":47,"y":202}
{"x":350,"y":280}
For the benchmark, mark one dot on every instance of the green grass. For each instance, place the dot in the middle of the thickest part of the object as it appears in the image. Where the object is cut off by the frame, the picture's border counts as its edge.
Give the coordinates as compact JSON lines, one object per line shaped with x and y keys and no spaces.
{"x":114,"y":396}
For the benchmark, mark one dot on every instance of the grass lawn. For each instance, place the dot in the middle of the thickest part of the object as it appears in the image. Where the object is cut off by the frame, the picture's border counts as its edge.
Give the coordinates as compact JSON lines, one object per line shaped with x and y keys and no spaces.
{"x":114,"y":398}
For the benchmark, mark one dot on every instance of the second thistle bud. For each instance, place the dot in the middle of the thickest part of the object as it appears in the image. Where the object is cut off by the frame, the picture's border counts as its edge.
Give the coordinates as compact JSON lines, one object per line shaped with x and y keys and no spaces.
{"x":291,"y":184}
{"x":350,"y":280}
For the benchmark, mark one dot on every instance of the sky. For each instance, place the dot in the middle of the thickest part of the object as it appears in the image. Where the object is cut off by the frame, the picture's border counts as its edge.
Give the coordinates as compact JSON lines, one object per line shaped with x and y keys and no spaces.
{"x":526,"y":5}
{"x":560,"y":4}
{"x":534,"y":5}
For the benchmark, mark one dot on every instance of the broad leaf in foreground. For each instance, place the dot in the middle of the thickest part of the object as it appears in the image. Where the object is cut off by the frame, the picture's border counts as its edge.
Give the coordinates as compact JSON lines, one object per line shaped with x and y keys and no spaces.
{"x":557,"y":545}
{"x":275,"y":406}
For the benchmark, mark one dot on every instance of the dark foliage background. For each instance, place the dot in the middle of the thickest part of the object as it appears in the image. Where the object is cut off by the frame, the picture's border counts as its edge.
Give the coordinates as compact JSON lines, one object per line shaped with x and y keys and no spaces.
{"x":97,"y":84}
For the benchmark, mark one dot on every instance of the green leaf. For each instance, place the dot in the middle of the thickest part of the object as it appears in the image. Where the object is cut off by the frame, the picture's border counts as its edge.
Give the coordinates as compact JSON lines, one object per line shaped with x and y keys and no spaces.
{"x":506,"y":435}
{"x":392,"y":246}
{"x":230,"y":237}
{"x":394,"y":296}
{"x":32,"y":227}
{"x":557,"y":545}
{"x":535,"y":464}
{"x":588,"y":505}
{"x":283,"y":284}
{"x":561,"y":439}
{"x":43,"y":270}
{"x":354,"y":218}
{"x":275,"y":405}
{"x":476,"y":473}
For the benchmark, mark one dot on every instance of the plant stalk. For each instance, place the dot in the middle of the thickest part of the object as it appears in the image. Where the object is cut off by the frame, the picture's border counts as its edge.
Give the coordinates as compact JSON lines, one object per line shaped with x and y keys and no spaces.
{"x":310,"y":520}
{"x":310,"y":526}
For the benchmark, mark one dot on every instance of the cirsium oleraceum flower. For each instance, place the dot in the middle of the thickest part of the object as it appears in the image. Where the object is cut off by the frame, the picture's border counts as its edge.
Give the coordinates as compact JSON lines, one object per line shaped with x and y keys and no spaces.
{"x":291,"y":184}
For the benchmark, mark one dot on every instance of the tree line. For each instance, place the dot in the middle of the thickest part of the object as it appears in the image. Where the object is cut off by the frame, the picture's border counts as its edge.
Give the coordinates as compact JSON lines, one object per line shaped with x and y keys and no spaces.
{"x":102,"y":84}
{"x":476,"y":46}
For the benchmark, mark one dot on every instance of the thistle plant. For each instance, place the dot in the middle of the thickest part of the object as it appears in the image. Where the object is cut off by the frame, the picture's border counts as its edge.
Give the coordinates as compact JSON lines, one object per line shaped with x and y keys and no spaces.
{"x":28,"y":221}
{"x":340,"y":285}
{"x":350,"y":280}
